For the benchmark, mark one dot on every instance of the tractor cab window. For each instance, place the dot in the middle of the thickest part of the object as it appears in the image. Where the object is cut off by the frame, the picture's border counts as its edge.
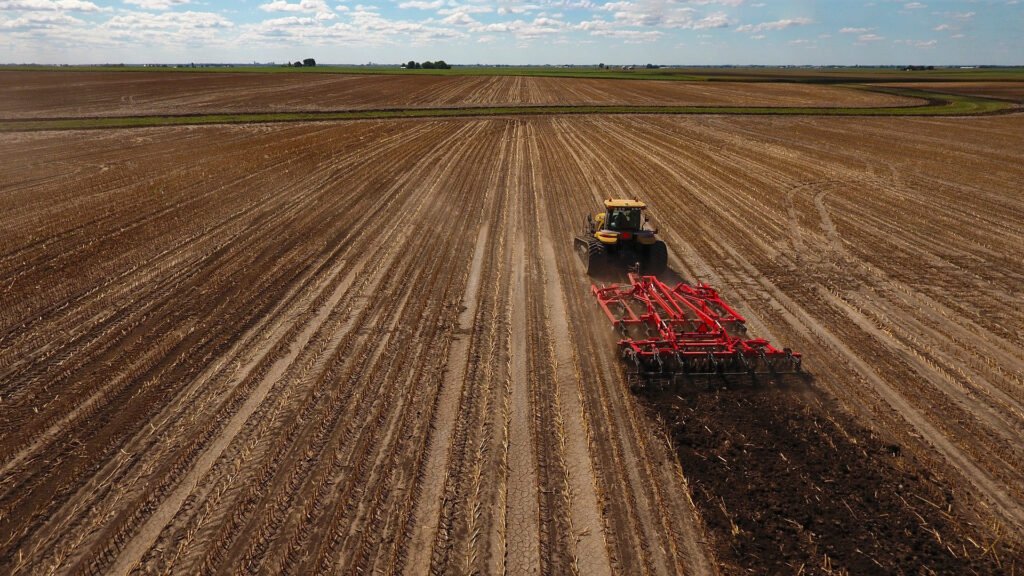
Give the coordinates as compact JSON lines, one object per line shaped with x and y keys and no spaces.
{"x":623,"y":219}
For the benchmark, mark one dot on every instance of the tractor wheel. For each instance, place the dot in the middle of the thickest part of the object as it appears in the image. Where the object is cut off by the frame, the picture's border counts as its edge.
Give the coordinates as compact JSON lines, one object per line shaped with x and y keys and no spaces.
{"x":657,"y":258}
{"x":597,"y":258}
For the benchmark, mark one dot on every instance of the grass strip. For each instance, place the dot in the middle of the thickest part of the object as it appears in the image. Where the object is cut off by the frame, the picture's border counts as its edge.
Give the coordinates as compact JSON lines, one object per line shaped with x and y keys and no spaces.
{"x":936,"y":105}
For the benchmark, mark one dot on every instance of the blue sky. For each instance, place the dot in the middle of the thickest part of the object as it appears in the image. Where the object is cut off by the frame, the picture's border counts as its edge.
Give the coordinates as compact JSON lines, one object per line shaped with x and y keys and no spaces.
{"x":514,"y":31}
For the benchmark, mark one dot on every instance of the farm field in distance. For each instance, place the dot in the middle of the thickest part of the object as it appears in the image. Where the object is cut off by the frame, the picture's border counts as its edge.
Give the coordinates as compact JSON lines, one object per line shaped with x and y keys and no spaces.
{"x":1013,"y":91}
{"x":368,"y":346}
{"x":34,"y":94}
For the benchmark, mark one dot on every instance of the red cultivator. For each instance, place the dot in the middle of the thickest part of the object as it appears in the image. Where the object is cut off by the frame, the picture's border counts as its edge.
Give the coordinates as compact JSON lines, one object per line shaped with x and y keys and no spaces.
{"x":685,"y":331}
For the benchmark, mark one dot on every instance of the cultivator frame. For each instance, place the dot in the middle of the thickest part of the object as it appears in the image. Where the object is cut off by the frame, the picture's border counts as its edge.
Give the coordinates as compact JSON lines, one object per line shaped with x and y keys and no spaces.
{"x":685,"y":331}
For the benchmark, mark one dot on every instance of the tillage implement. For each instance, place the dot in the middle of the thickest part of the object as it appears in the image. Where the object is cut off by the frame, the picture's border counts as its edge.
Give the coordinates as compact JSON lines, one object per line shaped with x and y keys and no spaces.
{"x":682,"y":331}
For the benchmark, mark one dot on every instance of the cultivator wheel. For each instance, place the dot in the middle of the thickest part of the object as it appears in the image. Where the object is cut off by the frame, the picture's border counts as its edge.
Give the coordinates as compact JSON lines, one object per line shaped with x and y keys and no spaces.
{"x":685,"y":332}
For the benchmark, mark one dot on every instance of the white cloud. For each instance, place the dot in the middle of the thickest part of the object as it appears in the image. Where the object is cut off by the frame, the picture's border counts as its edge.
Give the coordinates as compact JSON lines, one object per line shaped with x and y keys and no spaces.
{"x":460,"y":19}
{"x":49,"y":5}
{"x":518,"y":9}
{"x":168,"y":21}
{"x":718,"y":20}
{"x":776,"y":25}
{"x":301,"y":6}
{"x":39,"y":20}
{"x":914,"y":5}
{"x":317,"y":7}
{"x":522,"y":29}
{"x":631,"y":36}
{"x":918,"y":43}
{"x":157,"y":4}
{"x":365,"y":26}
{"x":466,"y":9}
{"x":528,"y":6}
{"x":942,"y":27}
{"x":855,"y":30}
{"x":127,"y":31}
{"x":663,"y":14}
{"x":870,"y":38}
{"x":421,"y":5}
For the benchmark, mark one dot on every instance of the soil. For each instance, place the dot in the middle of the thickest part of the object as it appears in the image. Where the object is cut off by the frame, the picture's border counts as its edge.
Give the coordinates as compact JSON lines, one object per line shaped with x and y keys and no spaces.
{"x":1011,"y":91}
{"x":789,"y":484}
{"x":370,"y":347}
{"x":75,"y":94}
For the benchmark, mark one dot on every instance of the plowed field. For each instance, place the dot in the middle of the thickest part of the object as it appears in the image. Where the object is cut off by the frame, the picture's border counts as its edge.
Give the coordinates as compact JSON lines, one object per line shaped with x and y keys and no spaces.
{"x":369,"y":346}
{"x":87,"y":94}
{"x":1013,"y":91}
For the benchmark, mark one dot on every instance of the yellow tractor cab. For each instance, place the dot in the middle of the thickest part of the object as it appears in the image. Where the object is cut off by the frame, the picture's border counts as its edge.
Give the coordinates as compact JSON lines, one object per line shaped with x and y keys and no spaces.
{"x":622,"y":238}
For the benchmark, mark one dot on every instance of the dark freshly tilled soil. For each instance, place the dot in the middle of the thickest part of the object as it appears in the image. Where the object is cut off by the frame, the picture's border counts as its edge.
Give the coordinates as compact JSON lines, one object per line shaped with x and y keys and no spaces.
{"x":787,"y":485}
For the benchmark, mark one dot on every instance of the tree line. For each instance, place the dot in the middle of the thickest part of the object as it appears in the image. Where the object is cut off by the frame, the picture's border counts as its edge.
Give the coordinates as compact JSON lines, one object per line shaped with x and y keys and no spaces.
{"x":428,"y":65}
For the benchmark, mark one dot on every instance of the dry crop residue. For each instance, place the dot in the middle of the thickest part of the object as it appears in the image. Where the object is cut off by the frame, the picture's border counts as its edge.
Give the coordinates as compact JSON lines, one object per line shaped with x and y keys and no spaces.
{"x":96,"y":94}
{"x":369,"y":347}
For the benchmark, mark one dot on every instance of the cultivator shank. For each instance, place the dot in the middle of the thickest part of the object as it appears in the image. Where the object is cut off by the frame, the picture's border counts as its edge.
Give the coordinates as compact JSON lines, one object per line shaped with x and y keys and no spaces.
{"x":685,"y":331}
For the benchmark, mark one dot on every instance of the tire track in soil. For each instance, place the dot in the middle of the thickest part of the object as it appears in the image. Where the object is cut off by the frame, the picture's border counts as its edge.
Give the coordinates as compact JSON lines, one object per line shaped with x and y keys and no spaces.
{"x":131,"y":554}
{"x":589,"y":547}
{"x":436,"y":464}
{"x":477,"y":323}
{"x":557,"y":534}
{"x":627,"y":549}
{"x":373,"y":440}
{"x":477,"y":449}
{"x":654,"y":494}
{"x":523,"y":514}
{"x":349,"y":549}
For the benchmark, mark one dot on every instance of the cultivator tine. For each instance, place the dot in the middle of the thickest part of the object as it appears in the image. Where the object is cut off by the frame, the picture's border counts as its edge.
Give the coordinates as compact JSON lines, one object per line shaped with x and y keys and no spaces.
{"x":741,"y":361}
{"x":794,"y":360}
{"x":686,"y":331}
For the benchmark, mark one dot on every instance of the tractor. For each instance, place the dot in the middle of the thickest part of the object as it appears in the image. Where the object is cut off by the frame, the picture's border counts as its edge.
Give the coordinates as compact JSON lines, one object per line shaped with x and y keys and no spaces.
{"x":621,"y":239}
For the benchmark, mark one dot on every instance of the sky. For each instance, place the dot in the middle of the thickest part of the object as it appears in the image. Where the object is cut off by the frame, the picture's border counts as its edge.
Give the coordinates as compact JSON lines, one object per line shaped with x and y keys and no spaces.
{"x":617,"y":32}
